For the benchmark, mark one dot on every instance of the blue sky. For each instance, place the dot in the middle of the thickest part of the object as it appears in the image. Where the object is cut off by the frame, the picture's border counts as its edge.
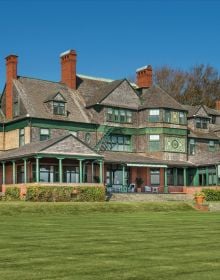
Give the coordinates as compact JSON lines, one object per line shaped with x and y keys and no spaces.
{"x":112,"y":38}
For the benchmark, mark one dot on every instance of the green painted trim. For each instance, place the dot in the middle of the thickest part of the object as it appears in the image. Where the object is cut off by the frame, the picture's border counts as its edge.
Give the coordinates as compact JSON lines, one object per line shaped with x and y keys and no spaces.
{"x":80,"y":171}
{"x":37,"y":170}
{"x":25,"y":170}
{"x":184,"y":177}
{"x":60,"y":170}
{"x":101,"y":171}
{"x":144,"y":130}
{"x":165,"y":181}
{"x":63,"y":156}
{"x":69,"y":125}
{"x":207,"y":176}
{"x":92,"y":172}
{"x":3,"y":172}
{"x":16,"y":124}
{"x":48,"y":123}
{"x":196,"y":178}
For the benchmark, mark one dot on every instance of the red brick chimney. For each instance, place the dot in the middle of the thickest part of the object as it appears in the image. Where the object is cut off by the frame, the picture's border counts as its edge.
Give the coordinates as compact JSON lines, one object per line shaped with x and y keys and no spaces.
{"x":217,"y":105}
{"x":11,"y":73}
{"x":144,"y":76}
{"x":68,"y":68}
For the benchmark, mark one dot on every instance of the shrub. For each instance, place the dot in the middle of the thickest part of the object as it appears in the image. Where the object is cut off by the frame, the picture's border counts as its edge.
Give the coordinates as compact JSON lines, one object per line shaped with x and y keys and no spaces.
{"x":91,"y":194}
{"x":212,"y":195}
{"x":48,"y":193}
{"x":12,"y":193}
{"x":64,"y":193}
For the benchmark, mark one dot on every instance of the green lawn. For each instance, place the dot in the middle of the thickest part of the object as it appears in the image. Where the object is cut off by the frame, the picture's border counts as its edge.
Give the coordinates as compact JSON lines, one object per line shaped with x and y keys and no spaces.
{"x":108,"y":241}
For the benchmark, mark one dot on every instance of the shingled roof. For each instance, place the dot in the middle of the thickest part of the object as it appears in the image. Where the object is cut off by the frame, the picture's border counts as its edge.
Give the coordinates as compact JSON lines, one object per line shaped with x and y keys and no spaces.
{"x":140,"y":158}
{"x":65,"y":145}
{"x":155,"y":97}
{"x":208,"y":135}
{"x":34,"y":93}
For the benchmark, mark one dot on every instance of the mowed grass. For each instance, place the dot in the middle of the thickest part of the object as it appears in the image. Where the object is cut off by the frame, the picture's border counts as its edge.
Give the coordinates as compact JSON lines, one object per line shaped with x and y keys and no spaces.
{"x":108,"y":241}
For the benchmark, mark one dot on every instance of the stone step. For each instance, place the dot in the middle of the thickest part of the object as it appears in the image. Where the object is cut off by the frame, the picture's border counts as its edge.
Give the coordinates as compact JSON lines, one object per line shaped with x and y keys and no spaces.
{"x":149,"y":197}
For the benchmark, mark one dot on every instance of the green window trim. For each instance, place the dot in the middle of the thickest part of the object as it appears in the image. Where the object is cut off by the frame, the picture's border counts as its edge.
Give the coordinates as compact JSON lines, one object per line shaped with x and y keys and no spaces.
{"x":119,"y":115}
{"x":154,"y":115}
{"x":154,"y":143}
{"x":192,"y":147}
{"x":44,"y":134}
{"x":119,"y":143}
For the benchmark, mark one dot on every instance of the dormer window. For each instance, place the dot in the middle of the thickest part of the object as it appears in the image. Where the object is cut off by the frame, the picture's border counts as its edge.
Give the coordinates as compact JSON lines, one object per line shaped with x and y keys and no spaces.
{"x":56,"y":103}
{"x":202,"y":123}
{"x":59,"y":108}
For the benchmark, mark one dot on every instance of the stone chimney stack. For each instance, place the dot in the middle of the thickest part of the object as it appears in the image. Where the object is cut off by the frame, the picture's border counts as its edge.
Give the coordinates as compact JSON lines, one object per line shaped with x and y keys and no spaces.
{"x":11,"y":74}
{"x":144,"y":76}
{"x":68,"y":68}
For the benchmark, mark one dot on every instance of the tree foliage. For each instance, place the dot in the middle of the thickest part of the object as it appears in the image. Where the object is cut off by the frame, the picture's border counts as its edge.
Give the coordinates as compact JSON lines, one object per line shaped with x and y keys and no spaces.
{"x":199,"y":85}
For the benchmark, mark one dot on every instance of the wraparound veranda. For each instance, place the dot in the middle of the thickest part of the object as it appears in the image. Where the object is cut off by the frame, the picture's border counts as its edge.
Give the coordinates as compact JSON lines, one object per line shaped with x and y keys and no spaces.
{"x":118,"y":177}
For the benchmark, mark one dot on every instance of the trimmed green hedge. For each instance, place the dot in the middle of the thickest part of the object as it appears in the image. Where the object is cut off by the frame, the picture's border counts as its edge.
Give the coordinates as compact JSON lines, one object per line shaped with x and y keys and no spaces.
{"x":12,"y":193}
{"x":211,"y":195}
{"x":65,"y":193}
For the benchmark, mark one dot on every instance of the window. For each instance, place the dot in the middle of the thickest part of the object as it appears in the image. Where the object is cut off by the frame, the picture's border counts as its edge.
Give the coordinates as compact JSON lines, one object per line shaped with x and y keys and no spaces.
{"x":58,"y":108}
{"x":211,"y":146}
{"x":16,"y":109}
{"x":71,"y":174}
{"x":21,"y":137}
{"x":154,"y":143}
{"x":192,"y":147}
{"x":44,"y":134}
{"x":167,"y":116}
{"x":154,"y":115}
{"x":155,"y":176}
{"x":213,"y":119}
{"x":202,"y":123}
{"x":119,"y":143}
{"x":47,"y":173}
{"x":20,"y":174}
{"x":119,"y":115}
{"x":182,"y":118}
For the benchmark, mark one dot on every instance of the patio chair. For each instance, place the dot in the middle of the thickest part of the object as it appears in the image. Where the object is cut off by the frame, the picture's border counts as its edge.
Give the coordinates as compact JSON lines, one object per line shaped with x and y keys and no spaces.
{"x":155,"y":189}
{"x":147,"y":189}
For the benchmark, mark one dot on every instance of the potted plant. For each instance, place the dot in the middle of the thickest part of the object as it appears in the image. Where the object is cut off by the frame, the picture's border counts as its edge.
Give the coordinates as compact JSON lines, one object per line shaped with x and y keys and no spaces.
{"x":199,"y":197}
{"x":139,"y":182}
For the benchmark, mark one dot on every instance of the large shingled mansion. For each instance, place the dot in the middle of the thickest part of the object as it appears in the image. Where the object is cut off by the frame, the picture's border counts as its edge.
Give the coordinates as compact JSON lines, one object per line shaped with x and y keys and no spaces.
{"x":87,"y":129}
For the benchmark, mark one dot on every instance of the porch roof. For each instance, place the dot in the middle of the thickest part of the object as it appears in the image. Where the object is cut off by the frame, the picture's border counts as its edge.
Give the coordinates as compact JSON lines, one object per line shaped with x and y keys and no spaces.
{"x":64,"y":146}
{"x":140,"y":159}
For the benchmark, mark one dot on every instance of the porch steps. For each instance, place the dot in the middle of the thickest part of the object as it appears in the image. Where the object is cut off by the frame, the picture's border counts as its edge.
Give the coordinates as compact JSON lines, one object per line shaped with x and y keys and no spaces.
{"x":149,"y":197}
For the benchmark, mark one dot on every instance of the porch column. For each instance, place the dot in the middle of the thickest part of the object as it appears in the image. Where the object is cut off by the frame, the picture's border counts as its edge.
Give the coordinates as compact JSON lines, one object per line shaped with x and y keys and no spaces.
{"x":184,"y":177}
{"x":216,"y":175}
{"x":37,"y":170}
{"x":165,"y":181}
{"x":80,"y":171}
{"x":25,"y":170}
{"x":123,"y":175}
{"x":101,"y":171}
{"x":92,"y":172}
{"x":60,"y":170}
{"x":3,"y":172}
{"x":207,"y":176}
{"x":13,"y":172}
